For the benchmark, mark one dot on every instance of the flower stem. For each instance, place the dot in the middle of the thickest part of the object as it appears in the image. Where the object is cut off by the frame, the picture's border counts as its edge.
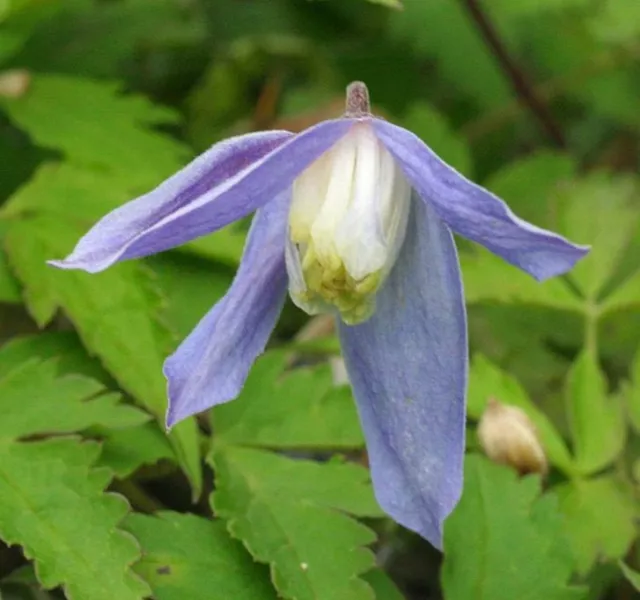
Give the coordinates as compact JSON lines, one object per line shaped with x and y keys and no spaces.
{"x":519,"y":81}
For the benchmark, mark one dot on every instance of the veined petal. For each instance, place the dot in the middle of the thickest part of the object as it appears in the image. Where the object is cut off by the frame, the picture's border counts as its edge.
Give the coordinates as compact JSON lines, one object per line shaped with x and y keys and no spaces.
{"x":408,"y":368}
{"x":226,"y":183}
{"x":476,"y":213}
{"x":211,"y":365}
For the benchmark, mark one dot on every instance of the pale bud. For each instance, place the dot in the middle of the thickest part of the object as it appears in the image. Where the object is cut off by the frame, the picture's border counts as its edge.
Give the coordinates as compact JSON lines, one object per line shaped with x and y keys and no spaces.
{"x":14,"y":83}
{"x":339,"y":372}
{"x":508,"y":437}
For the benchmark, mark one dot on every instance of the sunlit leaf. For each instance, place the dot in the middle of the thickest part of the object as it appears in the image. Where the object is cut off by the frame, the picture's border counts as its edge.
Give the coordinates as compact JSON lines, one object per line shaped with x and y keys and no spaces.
{"x":527,"y":185}
{"x":95,"y":125}
{"x":616,"y":21}
{"x":596,"y":418}
{"x":52,"y":498}
{"x":290,"y":514}
{"x":517,"y":552}
{"x":299,"y":409}
{"x":601,"y":211}
{"x":389,"y":3}
{"x":188,"y":557}
{"x":487,"y":278}
{"x":633,"y":577}
{"x":383,"y":586}
{"x":432,"y":127}
{"x":599,"y":518}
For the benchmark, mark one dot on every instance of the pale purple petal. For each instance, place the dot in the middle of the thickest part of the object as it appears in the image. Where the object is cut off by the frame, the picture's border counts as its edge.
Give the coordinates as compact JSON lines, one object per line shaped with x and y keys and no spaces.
{"x":408,"y":368}
{"x":229,"y":182}
{"x":476,"y":213}
{"x":211,"y":365}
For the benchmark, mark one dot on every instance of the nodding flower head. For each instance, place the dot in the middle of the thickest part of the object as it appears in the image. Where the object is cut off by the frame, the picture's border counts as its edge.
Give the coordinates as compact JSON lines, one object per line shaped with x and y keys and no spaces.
{"x":354,"y":217}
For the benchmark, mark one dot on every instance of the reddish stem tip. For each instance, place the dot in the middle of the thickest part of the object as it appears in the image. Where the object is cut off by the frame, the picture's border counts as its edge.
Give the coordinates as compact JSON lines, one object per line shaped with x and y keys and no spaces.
{"x":357,"y":100}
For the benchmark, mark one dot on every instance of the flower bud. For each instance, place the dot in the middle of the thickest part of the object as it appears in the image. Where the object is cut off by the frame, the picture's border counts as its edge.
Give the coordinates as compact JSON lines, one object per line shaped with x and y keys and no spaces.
{"x":14,"y":83}
{"x":508,"y":437}
{"x":347,"y":222}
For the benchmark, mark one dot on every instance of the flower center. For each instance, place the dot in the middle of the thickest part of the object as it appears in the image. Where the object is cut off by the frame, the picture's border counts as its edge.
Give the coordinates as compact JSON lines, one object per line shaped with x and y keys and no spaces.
{"x":347,"y":223}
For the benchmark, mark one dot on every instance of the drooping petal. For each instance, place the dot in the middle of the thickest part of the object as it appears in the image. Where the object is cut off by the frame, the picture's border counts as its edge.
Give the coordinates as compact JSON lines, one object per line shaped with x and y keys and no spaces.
{"x":211,"y":365}
{"x":476,"y":213}
{"x":228,"y":182}
{"x":408,"y":368}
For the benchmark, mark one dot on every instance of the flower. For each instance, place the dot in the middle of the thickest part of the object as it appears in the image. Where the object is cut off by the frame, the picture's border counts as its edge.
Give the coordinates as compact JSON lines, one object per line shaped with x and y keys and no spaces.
{"x":355,"y":216}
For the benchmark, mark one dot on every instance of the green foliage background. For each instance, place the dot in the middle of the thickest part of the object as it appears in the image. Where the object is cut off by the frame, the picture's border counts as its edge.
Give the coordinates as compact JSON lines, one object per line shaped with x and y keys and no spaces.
{"x":102,"y":99}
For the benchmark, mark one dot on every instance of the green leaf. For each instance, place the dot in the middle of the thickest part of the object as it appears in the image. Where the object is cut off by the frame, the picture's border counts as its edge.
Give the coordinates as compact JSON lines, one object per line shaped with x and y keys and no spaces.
{"x":488,"y":278}
{"x":70,"y":356}
{"x":596,"y":420}
{"x":487,"y":381}
{"x":126,"y":450}
{"x":382,"y":585}
{"x":633,"y":577}
{"x":389,"y":3}
{"x":517,"y":552}
{"x":530,"y":8}
{"x":616,"y":21}
{"x":116,"y":313}
{"x":189,"y":286}
{"x":626,"y":296}
{"x":188,"y":557}
{"x":19,"y":19}
{"x":301,"y":408}
{"x":9,"y":286}
{"x":291,"y":515}
{"x":52,"y":498}
{"x":22,"y":584}
{"x":54,"y":506}
{"x":527,"y":185}
{"x":563,"y":47}
{"x":632,"y":393}
{"x":70,"y":192}
{"x":598,"y":210}
{"x":71,"y":403}
{"x":225,"y":245}
{"x":599,"y":519}
{"x":434,"y":130}
{"x":96,"y":126}
{"x":444,"y":32}
{"x":109,"y":39}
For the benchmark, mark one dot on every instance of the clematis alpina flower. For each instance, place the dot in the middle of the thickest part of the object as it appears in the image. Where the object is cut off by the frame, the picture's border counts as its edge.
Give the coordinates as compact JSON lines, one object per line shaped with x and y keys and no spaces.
{"x":355,"y":216}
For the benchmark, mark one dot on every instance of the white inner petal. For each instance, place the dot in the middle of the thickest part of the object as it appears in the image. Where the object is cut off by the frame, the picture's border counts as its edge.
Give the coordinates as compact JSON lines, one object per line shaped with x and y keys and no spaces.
{"x":347,"y":223}
{"x":309,"y":191}
{"x":374,"y":226}
{"x":337,"y":199}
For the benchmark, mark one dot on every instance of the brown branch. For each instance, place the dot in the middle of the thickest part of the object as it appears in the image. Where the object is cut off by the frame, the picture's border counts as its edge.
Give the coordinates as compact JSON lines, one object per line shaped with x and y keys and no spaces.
{"x":521,"y":86}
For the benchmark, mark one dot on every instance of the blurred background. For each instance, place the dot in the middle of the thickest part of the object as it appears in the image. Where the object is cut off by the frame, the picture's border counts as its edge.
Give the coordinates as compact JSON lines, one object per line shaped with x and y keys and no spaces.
{"x":538,"y":100}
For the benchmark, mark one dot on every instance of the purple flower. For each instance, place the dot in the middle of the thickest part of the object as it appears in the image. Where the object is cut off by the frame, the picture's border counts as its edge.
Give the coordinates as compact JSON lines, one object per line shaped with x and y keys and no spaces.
{"x":355,"y":216}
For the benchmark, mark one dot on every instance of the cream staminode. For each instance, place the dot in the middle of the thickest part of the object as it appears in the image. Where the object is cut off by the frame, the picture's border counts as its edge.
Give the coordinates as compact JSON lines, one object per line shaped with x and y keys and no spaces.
{"x":347,"y":222}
